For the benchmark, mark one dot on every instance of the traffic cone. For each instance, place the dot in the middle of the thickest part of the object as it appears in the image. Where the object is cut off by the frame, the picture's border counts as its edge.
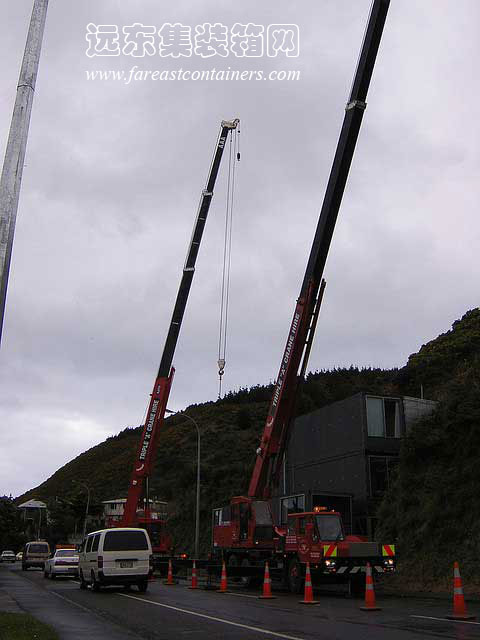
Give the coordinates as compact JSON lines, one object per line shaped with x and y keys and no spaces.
{"x":267,"y":585}
{"x":223,"y":581}
{"x":169,"y":580}
{"x":459,"y":606}
{"x":370,"y":603}
{"x":194,"y":584}
{"x":308,"y":596}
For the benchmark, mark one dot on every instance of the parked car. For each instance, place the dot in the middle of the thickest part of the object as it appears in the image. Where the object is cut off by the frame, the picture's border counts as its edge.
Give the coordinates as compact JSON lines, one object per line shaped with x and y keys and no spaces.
{"x":7,"y":556}
{"x":64,"y":562}
{"x":35,"y":554}
{"x":19,"y":555}
{"x":120,"y":556}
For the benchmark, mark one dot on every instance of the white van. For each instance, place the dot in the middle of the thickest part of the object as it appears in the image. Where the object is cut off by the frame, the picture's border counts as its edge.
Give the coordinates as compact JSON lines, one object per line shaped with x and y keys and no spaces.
{"x":35,"y":554}
{"x":120,"y":556}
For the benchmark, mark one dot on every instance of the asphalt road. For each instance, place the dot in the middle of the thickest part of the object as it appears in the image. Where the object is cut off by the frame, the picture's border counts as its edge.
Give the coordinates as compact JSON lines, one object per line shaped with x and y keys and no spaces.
{"x":177,"y":612}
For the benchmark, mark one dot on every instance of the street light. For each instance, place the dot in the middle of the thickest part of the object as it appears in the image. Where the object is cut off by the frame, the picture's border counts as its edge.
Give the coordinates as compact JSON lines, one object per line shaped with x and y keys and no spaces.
{"x":197,"y":509}
{"x":88,"y":504}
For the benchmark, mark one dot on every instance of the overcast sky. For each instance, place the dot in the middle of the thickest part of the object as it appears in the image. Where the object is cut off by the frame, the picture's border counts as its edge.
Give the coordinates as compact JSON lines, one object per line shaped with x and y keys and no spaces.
{"x":112,"y":180}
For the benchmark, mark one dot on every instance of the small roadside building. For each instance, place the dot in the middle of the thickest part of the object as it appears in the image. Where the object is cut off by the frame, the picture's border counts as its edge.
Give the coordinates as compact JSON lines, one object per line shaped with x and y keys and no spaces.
{"x":34,"y":516}
{"x":33,"y":509}
{"x":343,"y":457}
{"x":113,"y":510}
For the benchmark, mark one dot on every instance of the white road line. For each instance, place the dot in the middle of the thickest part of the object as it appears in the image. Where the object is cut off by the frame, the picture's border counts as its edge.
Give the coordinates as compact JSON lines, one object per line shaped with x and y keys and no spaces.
{"x":240,"y":595}
{"x":266,"y":632}
{"x":71,"y":602}
{"x":445,"y":619}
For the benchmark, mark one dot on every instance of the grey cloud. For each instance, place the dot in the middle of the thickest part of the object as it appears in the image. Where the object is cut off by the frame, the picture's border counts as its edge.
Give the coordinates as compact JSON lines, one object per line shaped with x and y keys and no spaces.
{"x":112,"y":183}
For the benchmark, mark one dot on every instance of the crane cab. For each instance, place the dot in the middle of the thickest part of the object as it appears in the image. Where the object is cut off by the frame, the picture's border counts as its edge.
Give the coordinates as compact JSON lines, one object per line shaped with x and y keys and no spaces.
{"x":244,"y":523}
{"x":315,"y":536}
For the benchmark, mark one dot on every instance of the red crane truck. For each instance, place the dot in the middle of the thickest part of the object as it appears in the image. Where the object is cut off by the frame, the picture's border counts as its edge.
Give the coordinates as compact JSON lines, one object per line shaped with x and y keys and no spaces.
{"x":137,"y":508}
{"x":244,"y":533}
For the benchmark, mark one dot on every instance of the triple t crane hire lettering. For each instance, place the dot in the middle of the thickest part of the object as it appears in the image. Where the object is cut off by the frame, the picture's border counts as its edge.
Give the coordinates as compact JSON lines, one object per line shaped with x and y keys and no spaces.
{"x":148,"y":431}
{"x":286,"y":358}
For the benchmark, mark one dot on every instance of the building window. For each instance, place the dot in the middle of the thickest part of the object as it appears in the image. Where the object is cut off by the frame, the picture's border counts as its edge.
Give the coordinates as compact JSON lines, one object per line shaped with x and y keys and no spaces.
{"x":383,"y":417}
{"x":382,"y":469}
{"x":222,"y":516}
{"x":292,"y":504}
{"x":301,"y":526}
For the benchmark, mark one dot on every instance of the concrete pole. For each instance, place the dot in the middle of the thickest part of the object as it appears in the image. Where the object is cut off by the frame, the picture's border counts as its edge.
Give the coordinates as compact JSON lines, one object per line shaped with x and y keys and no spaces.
{"x":17,"y":141}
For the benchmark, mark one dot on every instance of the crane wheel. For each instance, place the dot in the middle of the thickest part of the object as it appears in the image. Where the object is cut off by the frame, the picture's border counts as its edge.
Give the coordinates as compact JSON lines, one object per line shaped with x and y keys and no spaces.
{"x":95,"y":584}
{"x":233,"y":561}
{"x":294,"y":576}
{"x":248,"y":581}
{"x":83,"y":584}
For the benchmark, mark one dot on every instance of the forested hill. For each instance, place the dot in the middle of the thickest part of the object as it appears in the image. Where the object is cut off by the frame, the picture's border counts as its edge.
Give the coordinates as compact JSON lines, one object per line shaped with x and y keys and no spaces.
{"x":231,"y":428}
{"x":433,"y":507}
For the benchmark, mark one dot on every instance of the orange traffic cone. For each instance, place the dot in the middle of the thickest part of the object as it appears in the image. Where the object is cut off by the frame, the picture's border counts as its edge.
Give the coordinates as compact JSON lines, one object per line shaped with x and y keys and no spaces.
{"x":308,"y":596}
{"x":459,"y":606}
{"x":370,"y":603}
{"x":169,"y":580}
{"x":267,"y":585}
{"x":223,"y":581}
{"x":194,"y":584}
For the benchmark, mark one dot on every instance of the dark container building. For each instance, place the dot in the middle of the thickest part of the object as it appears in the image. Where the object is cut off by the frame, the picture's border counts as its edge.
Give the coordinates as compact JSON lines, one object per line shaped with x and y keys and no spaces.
{"x":343,"y":456}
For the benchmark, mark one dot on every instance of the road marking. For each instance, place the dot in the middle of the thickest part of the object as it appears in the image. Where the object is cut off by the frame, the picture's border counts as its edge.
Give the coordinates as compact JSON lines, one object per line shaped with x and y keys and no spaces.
{"x":266,"y":632}
{"x":72,"y":602}
{"x":240,"y":595}
{"x":445,"y":619}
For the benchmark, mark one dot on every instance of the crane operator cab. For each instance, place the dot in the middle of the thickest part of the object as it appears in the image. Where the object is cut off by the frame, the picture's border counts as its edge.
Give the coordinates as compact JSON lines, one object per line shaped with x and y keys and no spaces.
{"x":314,"y":535}
{"x":319,"y":525}
{"x":243,"y":523}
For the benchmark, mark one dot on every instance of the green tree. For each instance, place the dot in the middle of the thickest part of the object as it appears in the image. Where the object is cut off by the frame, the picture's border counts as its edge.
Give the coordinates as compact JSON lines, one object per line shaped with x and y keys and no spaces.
{"x":11,"y":526}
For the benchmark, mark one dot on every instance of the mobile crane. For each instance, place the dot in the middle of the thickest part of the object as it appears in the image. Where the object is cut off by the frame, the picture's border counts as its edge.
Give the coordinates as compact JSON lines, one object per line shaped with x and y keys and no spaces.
{"x":244,"y":533}
{"x":137,"y":509}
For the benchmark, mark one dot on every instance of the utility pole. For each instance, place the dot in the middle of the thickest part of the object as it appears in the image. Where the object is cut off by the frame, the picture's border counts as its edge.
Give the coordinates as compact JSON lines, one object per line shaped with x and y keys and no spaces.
{"x":197,"y":501}
{"x":17,"y":141}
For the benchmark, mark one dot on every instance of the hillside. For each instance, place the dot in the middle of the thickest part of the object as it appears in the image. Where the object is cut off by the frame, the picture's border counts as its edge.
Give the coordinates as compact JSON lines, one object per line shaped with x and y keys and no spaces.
{"x":231,"y":428}
{"x":448,"y":369}
{"x":433,"y":508}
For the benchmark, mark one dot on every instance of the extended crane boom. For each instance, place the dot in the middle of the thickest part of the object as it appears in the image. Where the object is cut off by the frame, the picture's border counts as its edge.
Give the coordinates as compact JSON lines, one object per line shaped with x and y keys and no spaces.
{"x":244,"y":532}
{"x":145,"y":456}
{"x":275,"y":436}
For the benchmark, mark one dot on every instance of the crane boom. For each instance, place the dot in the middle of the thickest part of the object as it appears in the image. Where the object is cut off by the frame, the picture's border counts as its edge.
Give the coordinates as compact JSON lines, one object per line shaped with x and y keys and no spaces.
{"x":275,"y":436}
{"x":145,"y":456}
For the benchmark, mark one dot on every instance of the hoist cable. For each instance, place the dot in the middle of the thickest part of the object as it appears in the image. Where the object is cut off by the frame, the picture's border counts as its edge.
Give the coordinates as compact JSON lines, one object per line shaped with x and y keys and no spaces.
{"x":221,"y":360}
{"x":222,"y":302}
{"x":232,"y":193}
{"x":227,"y":258}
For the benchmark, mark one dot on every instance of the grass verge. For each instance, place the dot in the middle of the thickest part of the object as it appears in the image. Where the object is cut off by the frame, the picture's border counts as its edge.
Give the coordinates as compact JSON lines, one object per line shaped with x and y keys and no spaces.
{"x":22,"y":626}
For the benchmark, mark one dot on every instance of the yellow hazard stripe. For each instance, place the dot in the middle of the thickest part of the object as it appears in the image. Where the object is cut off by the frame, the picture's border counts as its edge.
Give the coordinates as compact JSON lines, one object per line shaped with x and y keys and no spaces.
{"x":330,"y":550}
{"x":388,"y":550}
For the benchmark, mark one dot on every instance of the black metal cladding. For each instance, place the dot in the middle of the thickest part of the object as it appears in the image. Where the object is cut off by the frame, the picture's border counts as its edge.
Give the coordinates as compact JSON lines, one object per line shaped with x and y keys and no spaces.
{"x":346,"y":145}
{"x":189,"y":268}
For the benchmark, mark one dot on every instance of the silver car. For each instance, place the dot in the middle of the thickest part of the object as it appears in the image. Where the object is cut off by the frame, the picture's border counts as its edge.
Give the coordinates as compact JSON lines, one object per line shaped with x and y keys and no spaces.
{"x":7,"y":556}
{"x":64,"y":562}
